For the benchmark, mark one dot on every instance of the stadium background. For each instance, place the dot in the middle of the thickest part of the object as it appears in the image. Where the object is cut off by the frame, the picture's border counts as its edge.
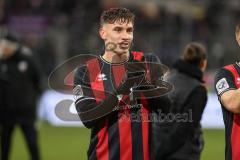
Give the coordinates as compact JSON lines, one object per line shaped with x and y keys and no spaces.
{"x":59,"y":29}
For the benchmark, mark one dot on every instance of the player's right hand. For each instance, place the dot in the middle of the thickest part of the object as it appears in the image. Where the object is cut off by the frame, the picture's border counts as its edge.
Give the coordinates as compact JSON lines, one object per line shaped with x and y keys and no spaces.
{"x":135,"y":76}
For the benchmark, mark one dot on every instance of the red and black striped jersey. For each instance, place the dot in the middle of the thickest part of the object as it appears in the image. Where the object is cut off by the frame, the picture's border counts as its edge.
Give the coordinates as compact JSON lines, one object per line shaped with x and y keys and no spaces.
{"x":122,"y":134}
{"x":228,"y":78}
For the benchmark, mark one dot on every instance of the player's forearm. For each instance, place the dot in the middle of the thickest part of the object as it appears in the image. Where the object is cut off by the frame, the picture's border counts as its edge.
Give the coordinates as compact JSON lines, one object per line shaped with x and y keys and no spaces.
{"x":236,"y":101}
{"x":231,"y":100}
{"x":87,"y":123}
{"x":91,"y":112}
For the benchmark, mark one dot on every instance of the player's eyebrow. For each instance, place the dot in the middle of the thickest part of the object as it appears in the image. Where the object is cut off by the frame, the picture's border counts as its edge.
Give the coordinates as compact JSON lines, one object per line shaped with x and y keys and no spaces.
{"x":130,"y":29}
{"x":117,"y":28}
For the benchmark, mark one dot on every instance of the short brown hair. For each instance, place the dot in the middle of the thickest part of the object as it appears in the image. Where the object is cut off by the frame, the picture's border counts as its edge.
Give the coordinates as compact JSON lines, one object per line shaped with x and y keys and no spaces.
{"x":123,"y":15}
{"x":194,"y":53}
{"x":237,"y":30}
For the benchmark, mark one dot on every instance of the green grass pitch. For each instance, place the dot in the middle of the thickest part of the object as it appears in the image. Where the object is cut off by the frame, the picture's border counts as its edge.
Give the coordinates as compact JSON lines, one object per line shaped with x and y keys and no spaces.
{"x":71,"y":143}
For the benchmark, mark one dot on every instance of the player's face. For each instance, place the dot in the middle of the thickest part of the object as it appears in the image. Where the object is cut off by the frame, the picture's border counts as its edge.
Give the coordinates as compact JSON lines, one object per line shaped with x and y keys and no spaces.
{"x":117,"y":36}
{"x":238,"y":38}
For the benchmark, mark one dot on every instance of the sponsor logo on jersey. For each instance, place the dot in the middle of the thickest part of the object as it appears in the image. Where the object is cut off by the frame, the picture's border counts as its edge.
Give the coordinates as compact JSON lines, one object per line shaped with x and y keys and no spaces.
{"x":101,"y":77}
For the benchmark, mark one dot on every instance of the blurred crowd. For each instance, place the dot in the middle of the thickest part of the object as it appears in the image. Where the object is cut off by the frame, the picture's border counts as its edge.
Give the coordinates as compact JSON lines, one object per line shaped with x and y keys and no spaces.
{"x":59,"y":29}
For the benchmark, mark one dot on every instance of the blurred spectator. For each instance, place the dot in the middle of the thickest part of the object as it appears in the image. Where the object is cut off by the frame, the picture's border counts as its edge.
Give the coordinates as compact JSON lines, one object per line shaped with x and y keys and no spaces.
{"x":21,"y":93}
{"x":187,"y":98}
{"x":189,"y":68}
{"x":3,"y":84}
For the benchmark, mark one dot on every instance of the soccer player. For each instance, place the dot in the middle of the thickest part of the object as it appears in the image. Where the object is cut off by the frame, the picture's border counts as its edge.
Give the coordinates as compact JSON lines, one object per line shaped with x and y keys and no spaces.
{"x":105,"y":82}
{"x":227,"y":84}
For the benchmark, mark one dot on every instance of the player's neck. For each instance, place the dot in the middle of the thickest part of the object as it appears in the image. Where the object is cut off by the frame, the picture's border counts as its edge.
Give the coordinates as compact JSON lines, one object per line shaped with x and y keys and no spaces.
{"x":115,"y":58}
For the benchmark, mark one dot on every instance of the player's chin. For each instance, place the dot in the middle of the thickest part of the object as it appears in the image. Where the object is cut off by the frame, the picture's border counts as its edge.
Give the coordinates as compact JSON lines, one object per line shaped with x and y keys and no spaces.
{"x":122,"y":52}
{"x":124,"y":47}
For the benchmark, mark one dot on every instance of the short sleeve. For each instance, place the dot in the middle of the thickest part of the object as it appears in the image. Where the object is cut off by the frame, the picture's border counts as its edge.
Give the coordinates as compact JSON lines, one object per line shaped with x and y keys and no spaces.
{"x":81,"y":86}
{"x":224,"y":81}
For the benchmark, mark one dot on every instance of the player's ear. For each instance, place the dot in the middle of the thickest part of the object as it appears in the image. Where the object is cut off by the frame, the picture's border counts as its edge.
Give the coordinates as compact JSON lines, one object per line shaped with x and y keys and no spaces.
{"x":102,"y":33}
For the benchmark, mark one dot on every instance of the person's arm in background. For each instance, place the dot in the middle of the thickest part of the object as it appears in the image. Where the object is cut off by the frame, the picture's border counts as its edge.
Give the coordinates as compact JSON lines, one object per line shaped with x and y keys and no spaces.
{"x":231,"y":100}
{"x":227,"y":91}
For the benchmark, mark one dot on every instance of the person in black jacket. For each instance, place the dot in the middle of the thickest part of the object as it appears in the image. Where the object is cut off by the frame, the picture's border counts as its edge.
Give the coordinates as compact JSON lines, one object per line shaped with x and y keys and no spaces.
{"x":20,"y":93}
{"x":181,"y":138}
{"x":3,"y":83}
